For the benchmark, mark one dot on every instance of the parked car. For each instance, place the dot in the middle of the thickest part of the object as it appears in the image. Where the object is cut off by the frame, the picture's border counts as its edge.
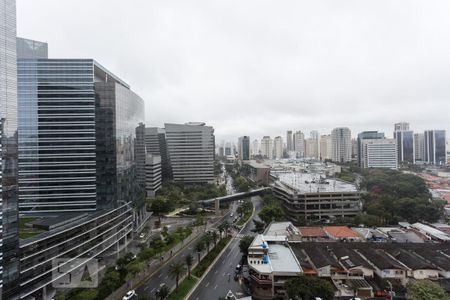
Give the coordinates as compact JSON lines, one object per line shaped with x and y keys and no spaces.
{"x":130,"y":295}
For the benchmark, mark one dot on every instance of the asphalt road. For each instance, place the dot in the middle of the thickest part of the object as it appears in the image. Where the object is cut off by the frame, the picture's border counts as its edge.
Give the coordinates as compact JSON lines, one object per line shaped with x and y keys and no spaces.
{"x":149,"y":288}
{"x":217,"y":282}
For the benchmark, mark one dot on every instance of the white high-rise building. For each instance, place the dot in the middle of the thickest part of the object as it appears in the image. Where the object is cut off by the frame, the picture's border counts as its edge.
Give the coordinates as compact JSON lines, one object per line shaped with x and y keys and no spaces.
{"x":278,"y":147}
{"x":299,"y":143}
{"x":153,"y":175}
{"x":312,"y":148}
{"x":325,"y":147}
{"x":314,"y":134}
{"x":255,"y":147}
{"x":341,"y":139}
{"x":379,"y":153}
{"x":191,"y":152}
{"x":267,"y":147}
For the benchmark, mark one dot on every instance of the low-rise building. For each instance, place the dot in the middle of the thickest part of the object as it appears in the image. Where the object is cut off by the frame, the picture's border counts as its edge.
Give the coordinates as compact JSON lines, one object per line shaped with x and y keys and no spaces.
{"x":257,"y":172}
{"x":271,"y":262}
{"x":307,"y":195}
{"x":342,"y":233}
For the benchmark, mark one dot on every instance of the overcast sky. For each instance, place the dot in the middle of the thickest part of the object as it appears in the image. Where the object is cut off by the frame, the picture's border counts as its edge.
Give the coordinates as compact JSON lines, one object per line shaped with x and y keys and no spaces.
{"x":254,"y":67}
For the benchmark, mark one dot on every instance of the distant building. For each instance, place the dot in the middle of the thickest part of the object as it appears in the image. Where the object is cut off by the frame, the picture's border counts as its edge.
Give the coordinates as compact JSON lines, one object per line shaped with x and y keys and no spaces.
{"x":155,"y":144}
{"x":419,"y":147}
{"x":278,"y":147}
{"x":289,"y":141}
{"x":153,"y":176}
{"x":401,"y":126}
{"x":228,"y":149}
{"x":244,"y":148}
{"x":379,"y":153}
{"x":312,"y":148}
{"x":191,"y":152}
{"x":325,"y":147}
{"x":255,"y":148}
{"x":366,"y":135}
{"x":341,"y":140}
{"x":435,"y":147}
{"x":299,"y":143}
{"x":405,"y":145}
{"x":267,"y":147}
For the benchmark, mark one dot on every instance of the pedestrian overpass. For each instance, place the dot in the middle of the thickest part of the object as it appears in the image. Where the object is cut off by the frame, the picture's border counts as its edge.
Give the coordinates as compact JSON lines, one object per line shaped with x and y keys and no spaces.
{"x":234,"y":197}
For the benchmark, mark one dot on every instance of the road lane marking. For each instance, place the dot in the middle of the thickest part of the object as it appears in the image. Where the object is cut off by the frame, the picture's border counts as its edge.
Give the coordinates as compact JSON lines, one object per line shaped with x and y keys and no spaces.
{"x":216,"y":272}
{"x":159,"y":276}
{"x":166,"y":277}
{"x":215,"y":287}
{"x":207,"y":284}
{"x":152,"y":290}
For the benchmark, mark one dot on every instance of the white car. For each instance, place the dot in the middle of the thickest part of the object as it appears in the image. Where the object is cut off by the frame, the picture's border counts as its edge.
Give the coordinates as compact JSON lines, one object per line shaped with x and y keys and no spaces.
{"x":142,"y":235}
{"x":129,"y":295}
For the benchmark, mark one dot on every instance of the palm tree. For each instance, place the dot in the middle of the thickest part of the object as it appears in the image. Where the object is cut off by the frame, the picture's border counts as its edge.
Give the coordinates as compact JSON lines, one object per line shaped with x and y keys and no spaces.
{"x":207,"y":239}
{"x":199,"y":247}
{"x":176,"y":270}
{"x":214,"y":237}
{"x":221,"y":229}
{"x":189,"y":261}
{"x":162,"y":292}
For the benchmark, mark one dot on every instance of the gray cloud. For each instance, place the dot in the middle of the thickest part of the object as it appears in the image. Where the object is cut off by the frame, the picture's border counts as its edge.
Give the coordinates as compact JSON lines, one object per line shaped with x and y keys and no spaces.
{"x":262,"y":67}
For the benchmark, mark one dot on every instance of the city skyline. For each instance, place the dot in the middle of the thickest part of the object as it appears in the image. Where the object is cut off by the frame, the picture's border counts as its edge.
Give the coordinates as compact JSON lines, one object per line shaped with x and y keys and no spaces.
{"x":299,"y":65}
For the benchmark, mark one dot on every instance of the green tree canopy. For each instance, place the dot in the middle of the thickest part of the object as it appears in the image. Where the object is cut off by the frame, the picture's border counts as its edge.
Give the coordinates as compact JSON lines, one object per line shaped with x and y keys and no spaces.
{"x":244,"y":243}
{"x":309,"y":287}
{"x":426,"y":290}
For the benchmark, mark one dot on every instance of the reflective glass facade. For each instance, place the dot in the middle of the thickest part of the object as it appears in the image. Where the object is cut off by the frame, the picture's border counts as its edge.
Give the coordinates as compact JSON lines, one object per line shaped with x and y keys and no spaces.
{"x":56,"y":135}
{"x":405,"y":145}
{"x":9,"y":241}
{"x":435,"y":147}
{"x":119,"y":112}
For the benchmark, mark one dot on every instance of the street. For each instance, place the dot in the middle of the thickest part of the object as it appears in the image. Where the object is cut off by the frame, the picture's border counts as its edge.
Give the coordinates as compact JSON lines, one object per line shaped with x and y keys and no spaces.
{"x":217,"y":282}
{"x":163,"y":275}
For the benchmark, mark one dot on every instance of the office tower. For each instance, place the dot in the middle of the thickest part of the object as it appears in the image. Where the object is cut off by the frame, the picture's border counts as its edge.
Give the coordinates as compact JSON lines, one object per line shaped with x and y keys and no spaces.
{"x":379,"y":153}
{"x":278,"y":147}
{"x":221,"y":152}
{"x":325,"y":147}
{"x":366,"y":135}
{"x":267,"y":147}
{"x":341,"y":143}
{"x":244,"y":148}
{"x":401,"y":126}
{"x":140,"y":154}
{"x":419,"y":147}
{"x":31,"y":49}
{"x":299,"y":143}
{"x":311,"y":148}
{"x":9,"y":239}
{"x":155,"y":143}
{"x":153,"y":174}
{"x":228,"y":149}
{"x":314,"y":134}
{"x":255,"y":147}
{"x":435,"y":147}
{"x":191,"y":152}
{"x":77,"y":136}
{"x":289,"y":141}
{"x":405,"y":145}
{"x":354,"y":149}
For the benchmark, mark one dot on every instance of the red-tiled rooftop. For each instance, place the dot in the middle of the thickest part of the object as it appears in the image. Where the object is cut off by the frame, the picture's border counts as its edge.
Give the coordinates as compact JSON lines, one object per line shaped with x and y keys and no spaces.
{"x":341,"y":232}
{"x":312,"y":232}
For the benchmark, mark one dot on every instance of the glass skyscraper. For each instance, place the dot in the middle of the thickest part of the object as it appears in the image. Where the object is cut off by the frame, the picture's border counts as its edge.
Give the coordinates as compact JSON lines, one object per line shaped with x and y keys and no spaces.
{"x":9,"y":239}
{"x":405,"y":145}
{"x":77,"y":130}
{"x":435,"y":147}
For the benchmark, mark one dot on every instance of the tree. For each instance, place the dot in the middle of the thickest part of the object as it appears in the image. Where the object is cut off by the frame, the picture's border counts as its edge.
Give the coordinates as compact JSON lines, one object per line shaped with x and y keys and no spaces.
{"x":160,"y":206}
{"x":162,"y":292}
{"x":221,"y":229}
{"x":241,"y":184}
{"x":110,"y":283}
{"x":308,"y":288}
{"x":207,"y":240}
{"x":426,"y":290}
{"x":189,"y":261}
{"x":259,"y":226}
{"x":199,"y":247}
{"x":176,"y":270}
{"x":214,"y":237}
{"x":271,"y":213}
{"x":245,"y":243}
